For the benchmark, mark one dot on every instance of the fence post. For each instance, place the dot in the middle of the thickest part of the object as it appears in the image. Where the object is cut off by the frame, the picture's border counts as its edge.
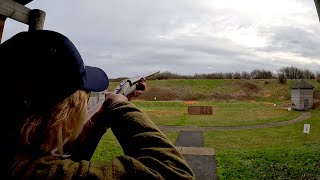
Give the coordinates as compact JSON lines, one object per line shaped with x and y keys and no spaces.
{"x":2,"y":22}
{"x":317,"y":2}
{"x":36,"y":19}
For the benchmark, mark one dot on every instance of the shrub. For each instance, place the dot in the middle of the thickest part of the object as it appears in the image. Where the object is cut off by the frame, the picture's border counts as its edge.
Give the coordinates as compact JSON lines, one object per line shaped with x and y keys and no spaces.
{"x":316,"y":94}
{"x":250,"y":87}
{"x":282,"y":79}
{"x":159,"y":94}
{"x":316,"y":104}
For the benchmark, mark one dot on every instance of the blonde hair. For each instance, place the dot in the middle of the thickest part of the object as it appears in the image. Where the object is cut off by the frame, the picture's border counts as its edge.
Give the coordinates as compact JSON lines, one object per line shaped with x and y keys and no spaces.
{"x":64,"y":121}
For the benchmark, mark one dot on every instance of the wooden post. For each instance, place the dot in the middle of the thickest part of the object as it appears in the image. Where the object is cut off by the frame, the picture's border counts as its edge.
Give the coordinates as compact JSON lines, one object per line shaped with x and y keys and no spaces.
{"x":14,"y":10}
{"x":2,"y":22}
{"x":317,"y":2}
{"x":36,"y":19}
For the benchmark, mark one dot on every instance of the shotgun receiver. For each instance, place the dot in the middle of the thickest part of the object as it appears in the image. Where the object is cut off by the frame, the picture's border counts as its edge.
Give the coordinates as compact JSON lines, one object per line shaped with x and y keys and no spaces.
{"x":127,"y":86}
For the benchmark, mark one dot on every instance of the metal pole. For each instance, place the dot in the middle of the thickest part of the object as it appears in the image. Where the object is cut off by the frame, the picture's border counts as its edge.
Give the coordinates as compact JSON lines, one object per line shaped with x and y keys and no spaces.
{"x":317,"y":2}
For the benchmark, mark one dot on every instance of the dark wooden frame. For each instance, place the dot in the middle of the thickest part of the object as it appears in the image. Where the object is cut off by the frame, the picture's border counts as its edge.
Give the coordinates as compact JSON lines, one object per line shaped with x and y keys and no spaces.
{"x":17,"y":11}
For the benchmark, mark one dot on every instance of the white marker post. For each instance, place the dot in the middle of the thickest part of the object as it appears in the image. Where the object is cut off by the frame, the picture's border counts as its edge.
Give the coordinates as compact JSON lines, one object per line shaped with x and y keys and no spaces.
{"x":306,"y":129}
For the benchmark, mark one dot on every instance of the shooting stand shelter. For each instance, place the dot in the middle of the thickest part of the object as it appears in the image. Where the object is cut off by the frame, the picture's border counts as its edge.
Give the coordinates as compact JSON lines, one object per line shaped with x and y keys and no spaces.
{"x":302,"y":95}
{"x":16,"y":10}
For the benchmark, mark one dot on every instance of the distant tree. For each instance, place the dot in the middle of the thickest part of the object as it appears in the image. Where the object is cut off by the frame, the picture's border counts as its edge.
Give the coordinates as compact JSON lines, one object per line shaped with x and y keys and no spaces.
{"x":254,"y":74}
{"x":261,"y":74}
{"x":245,"y":75}
{"x":228,"y":75}
{"x":282,"y":79}
{"x":198,"y":76}
{"x":307,"y":74}
{"x":219,"y":76}
{"x":236,"y":75}
{"x":291,"y":72}
{"x":169,"y":75}
{"x":318,"y":77}
{"x":288,"y":73}
{"x":215,"y":76}
{"x":267,"y":74}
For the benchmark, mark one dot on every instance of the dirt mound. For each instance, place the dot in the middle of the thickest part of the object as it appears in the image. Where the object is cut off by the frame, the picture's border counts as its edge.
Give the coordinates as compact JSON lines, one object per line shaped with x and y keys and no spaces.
{"x":159,"y":94}
{"x":229,"y":97}
{"x":166,"y":94}
{"x":248,"y":86}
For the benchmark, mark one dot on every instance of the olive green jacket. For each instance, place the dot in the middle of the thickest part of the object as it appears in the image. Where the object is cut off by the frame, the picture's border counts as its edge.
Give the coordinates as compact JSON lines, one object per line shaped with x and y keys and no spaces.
{"x":149,"y":154}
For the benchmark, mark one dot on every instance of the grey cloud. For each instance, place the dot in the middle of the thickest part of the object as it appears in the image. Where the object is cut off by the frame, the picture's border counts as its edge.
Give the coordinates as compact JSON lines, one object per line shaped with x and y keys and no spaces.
{"x":122,"y":37}
{"x":296,"y":40}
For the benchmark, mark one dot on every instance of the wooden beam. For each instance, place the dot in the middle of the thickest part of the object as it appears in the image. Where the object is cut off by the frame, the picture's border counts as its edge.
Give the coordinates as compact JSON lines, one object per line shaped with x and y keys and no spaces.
{"x":2,"y":22}
{"x":36,"y":19}
{"x":317,"y":2}
{"x":23,"y":2}
{"x":14,"y":10}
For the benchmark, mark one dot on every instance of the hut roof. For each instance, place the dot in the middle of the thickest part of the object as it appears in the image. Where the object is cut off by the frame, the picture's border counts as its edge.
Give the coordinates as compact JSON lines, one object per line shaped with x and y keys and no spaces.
{"x":303,"y":84}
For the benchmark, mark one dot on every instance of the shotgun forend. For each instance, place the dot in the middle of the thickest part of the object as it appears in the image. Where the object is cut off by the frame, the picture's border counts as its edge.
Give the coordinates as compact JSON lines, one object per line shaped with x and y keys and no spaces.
{"x":127,"y":86}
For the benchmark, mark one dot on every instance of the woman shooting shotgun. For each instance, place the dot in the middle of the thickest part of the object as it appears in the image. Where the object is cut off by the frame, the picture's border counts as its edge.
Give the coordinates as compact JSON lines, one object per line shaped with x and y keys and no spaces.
{"x":47,"y":135}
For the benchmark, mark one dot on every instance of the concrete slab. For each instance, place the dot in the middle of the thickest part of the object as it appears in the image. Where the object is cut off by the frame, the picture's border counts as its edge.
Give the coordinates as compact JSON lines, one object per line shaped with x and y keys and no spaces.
{"x":190,"y":139}
{"x":196,"y":151}
{"x":200,"y":159}
{"x":204,"y":167}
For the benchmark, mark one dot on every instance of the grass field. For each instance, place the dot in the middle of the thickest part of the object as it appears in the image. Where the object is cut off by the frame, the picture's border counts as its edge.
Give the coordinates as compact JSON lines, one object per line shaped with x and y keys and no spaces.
{"x":109,"y":147}
{"x":224,"y":113}
{"x":294,"y":162}
{"x":219,"y":90}
{"x":273,"y":153}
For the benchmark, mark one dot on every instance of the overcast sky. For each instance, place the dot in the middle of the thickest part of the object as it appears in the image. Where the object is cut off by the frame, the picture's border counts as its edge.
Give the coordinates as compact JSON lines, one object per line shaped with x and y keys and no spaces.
{"x":126,"y":38}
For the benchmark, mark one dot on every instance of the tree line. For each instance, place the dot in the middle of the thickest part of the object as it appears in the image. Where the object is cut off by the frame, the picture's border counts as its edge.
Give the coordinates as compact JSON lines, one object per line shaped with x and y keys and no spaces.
{"x":289,"y":72}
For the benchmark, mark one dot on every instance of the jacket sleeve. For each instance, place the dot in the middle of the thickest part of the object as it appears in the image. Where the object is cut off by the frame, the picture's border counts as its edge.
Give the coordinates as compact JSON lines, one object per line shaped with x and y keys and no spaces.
{"x":142,"y":140}
{"x":84,"y":146}
{"x":149,"y":154}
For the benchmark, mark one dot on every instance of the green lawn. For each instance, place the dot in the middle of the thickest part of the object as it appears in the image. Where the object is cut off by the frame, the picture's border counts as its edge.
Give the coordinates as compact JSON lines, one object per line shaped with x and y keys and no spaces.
{"x":294,"y":162}
{"x":219,"y":90}
{"x":272,"y":153}
{"x":264,"y":138}
{"x":224,"y":113}
{"x":109,"y":147}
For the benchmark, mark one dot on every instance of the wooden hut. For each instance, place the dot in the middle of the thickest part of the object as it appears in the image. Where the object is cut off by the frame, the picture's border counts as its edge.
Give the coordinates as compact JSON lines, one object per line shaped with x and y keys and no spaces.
{"x":302,"y":95}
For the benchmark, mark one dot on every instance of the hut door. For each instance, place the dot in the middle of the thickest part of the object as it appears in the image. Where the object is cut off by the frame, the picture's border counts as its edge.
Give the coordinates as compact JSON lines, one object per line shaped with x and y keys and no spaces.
{"x":306,"y":103}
